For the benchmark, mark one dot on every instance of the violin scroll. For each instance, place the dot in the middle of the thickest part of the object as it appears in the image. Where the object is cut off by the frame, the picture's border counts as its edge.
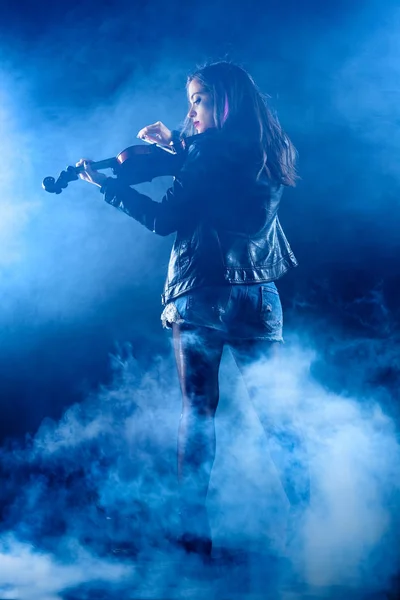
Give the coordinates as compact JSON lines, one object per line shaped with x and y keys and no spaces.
{"x":56,"y":187}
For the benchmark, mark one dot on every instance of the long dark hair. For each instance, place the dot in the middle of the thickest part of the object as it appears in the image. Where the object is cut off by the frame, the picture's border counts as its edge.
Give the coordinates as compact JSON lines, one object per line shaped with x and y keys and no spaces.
{"x":242,"y":112}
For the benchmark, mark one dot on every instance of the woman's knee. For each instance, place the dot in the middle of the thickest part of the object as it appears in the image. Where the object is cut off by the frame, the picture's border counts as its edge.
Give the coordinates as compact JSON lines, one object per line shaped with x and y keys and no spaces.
{"x":200,"y":405}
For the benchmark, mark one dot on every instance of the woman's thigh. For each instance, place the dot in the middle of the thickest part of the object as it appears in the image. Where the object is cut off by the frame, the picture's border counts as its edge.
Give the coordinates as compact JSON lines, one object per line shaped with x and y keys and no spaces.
{"x":264,"y":368}
{"x":198,"y":352}
{"x":249,"y":351}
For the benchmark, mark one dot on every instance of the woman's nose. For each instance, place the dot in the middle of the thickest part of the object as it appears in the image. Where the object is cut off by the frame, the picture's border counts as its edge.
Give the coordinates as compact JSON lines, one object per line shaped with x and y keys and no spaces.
{"x":191,"y":113}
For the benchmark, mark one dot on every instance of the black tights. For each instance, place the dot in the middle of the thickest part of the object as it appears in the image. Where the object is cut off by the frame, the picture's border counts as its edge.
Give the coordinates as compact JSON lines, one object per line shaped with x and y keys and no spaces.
{"x":198,"y":353}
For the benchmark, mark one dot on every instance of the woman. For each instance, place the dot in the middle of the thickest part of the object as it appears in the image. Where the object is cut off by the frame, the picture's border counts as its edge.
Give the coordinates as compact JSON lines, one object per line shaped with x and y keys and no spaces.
{"x":229,"y":250}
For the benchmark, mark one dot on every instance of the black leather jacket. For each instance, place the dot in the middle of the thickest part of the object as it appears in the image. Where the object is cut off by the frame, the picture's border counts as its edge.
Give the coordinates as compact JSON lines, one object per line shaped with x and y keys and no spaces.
{"x":226,"y":222}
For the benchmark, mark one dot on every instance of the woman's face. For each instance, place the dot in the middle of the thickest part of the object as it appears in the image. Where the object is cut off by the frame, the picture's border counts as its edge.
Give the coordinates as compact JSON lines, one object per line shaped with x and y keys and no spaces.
{"x":201,"y":106}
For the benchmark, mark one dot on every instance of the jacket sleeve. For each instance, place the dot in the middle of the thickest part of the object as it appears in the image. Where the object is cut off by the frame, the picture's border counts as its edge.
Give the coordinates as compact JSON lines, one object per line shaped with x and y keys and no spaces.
{"x":199,"y":191}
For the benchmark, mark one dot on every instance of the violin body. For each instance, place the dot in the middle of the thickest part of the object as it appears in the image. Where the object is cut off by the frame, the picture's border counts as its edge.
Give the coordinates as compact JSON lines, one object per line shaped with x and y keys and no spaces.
{"x":136,"y":164}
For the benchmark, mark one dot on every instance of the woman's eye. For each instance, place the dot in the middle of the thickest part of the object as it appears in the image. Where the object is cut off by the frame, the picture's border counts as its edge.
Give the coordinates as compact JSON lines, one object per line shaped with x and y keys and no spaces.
{"x":197,"y":101}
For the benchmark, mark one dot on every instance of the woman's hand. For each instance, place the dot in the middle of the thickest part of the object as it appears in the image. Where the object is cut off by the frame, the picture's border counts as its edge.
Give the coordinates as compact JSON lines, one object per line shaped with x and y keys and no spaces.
{"x":158,"y":133}
{"x":90,"y":174}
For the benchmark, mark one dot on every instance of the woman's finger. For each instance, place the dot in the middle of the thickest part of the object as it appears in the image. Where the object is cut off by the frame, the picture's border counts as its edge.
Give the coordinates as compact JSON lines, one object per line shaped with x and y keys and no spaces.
{"x":87,"y":164}
{"x":143,"y":133}
{"x":149,"y":130}
{"x":87,"y":173}
{"x":156,"y":132}
{"x":154,"y":137}
{"x":81,"y":162}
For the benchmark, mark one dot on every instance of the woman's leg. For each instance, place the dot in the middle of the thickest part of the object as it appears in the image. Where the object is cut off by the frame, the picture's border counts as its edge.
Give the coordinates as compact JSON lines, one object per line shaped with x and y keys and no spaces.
{"x":285,"y":439}
{"x":198,"y":352}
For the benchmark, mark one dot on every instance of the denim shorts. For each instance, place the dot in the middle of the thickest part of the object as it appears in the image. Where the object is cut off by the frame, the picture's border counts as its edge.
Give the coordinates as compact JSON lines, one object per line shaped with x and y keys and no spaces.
{"x":239,"y":312}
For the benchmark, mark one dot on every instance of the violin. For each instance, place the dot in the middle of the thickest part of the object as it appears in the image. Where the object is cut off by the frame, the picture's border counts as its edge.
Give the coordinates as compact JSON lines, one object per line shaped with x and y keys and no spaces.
{"x":136,"y":164}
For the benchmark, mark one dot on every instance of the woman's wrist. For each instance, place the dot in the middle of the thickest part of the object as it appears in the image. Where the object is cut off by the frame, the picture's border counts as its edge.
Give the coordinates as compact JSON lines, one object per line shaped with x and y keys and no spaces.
{"x":99,"y":181}
{"x":105,"y":185}
{"x":177,"y":142}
